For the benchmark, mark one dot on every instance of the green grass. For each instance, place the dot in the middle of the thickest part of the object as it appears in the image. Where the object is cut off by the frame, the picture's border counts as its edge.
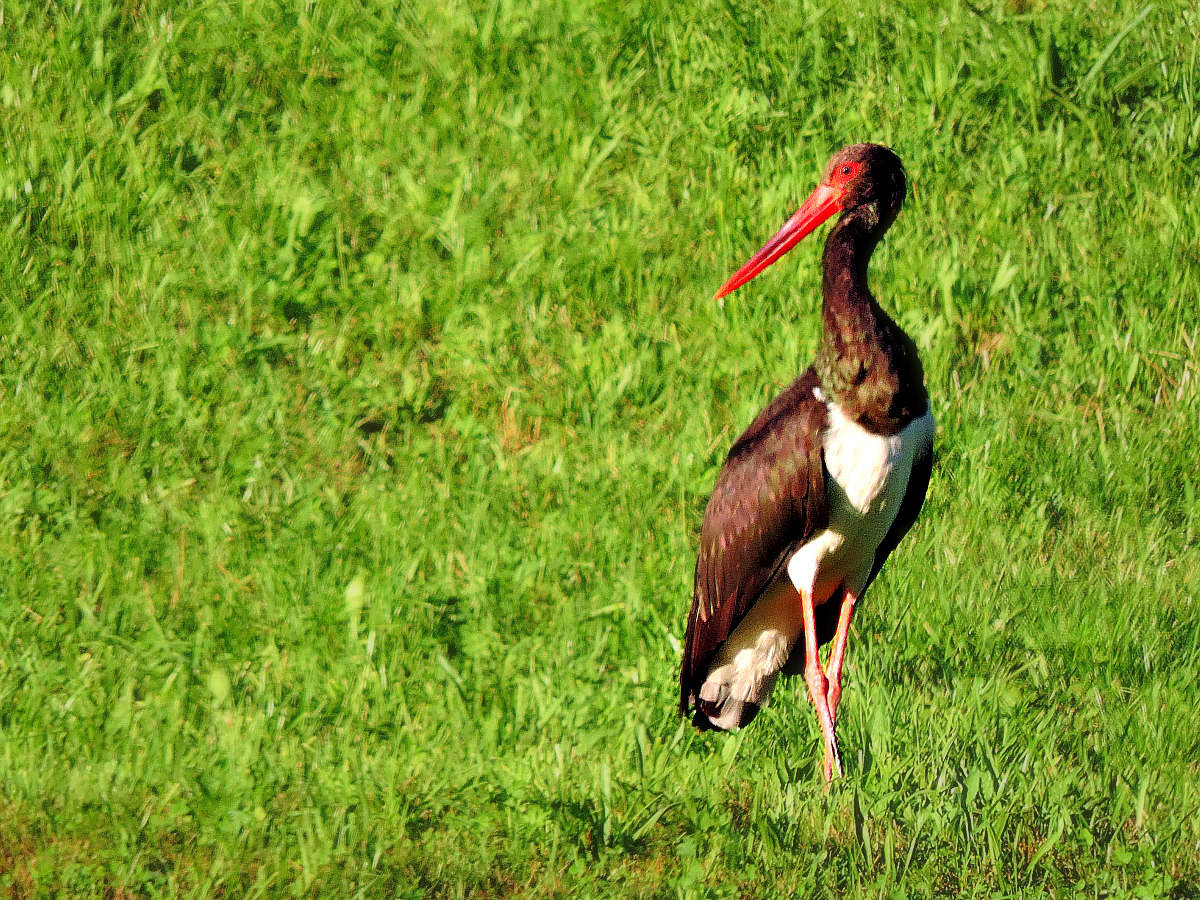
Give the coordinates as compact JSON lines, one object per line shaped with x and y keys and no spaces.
{"x":360,"y":393}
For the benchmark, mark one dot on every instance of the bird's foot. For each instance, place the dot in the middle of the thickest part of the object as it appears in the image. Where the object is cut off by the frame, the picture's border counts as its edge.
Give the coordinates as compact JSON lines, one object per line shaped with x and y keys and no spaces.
{"x":818,"y":688}
{"x":833,"y":762}
{"x":833,"y":756}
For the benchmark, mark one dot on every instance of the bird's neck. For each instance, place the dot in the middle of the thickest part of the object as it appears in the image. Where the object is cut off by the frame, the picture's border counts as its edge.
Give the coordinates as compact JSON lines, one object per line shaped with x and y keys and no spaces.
{"x":866,"y":363}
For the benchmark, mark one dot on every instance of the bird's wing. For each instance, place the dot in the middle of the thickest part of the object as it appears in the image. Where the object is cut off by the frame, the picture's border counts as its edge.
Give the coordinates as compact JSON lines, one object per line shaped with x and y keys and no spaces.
{"x":910,"y":506}
{"x":768,"y":500}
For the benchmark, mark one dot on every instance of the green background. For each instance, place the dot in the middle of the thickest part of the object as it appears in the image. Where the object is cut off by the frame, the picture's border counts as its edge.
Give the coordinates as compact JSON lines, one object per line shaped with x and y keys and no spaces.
{"x":361,"y":390}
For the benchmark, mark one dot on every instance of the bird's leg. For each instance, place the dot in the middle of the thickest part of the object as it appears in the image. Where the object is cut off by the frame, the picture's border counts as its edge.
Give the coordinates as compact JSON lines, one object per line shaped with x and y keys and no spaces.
{"x":838,"y":653}
{"x":818,"y":685}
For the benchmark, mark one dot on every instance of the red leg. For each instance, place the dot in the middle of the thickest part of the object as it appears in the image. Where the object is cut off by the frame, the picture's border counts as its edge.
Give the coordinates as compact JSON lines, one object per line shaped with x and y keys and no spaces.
{"x":818,"y":685}
{"x":833,"y":694}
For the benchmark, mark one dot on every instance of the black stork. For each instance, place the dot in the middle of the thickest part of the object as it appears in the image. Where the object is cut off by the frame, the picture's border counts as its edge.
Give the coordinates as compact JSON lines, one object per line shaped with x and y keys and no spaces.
{"x":823,"y":484}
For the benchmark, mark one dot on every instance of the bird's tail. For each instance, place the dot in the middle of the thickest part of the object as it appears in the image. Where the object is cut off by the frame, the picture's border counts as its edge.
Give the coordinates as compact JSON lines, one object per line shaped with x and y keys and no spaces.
{"x":721,"y":712}
{"x":741,"y":678}
{"x":743,"y":673}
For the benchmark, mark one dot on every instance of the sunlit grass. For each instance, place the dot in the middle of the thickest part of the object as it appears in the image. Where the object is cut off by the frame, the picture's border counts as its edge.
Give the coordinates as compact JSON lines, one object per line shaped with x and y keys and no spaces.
{"x":360,"y":393}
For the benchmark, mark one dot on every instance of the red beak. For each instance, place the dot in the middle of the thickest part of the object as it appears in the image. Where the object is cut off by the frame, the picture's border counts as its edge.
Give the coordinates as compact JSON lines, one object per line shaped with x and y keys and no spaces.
{"x":821,"y":204}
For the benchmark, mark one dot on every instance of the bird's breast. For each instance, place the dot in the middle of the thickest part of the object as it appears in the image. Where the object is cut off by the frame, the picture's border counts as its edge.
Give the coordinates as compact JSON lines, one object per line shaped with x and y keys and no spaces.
{"x":867,"y":475}
{"x":868,"y":472}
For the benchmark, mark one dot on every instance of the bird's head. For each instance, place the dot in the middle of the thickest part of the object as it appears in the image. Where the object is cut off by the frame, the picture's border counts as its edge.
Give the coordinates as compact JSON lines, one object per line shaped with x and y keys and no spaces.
{"x":867,"y":179}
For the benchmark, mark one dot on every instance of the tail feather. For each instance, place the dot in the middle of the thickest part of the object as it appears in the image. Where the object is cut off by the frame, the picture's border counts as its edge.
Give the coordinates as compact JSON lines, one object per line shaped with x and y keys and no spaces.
{"x":743,"y":671}
{"x":724,"y":716}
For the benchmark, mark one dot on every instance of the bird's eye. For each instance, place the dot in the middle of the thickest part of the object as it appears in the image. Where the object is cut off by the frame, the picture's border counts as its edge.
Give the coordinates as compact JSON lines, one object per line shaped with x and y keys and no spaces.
{"x":844,"y":172}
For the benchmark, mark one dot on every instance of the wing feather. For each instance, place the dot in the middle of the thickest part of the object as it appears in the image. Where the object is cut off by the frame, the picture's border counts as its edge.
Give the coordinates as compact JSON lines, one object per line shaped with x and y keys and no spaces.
{"x":768,"y":500}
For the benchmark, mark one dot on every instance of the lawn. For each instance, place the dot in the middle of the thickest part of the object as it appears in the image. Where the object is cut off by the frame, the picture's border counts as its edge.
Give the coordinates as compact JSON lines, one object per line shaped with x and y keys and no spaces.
{"x":361,"y":392}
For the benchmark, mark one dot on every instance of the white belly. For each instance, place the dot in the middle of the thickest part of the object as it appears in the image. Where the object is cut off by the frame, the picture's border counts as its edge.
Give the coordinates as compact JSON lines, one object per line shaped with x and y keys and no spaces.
{"x":868,"y":477}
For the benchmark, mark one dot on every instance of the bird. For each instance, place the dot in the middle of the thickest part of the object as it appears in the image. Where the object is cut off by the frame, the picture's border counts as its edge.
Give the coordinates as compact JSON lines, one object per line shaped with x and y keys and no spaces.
{"x":822,"y":485}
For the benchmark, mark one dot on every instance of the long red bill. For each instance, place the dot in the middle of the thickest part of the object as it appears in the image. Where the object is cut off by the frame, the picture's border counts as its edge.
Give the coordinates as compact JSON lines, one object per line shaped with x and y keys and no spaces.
{"x":821,"y":204}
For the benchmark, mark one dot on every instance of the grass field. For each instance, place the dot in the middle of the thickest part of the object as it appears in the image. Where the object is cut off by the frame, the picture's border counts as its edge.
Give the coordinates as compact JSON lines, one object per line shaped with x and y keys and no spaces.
{"x":361,"y":390}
